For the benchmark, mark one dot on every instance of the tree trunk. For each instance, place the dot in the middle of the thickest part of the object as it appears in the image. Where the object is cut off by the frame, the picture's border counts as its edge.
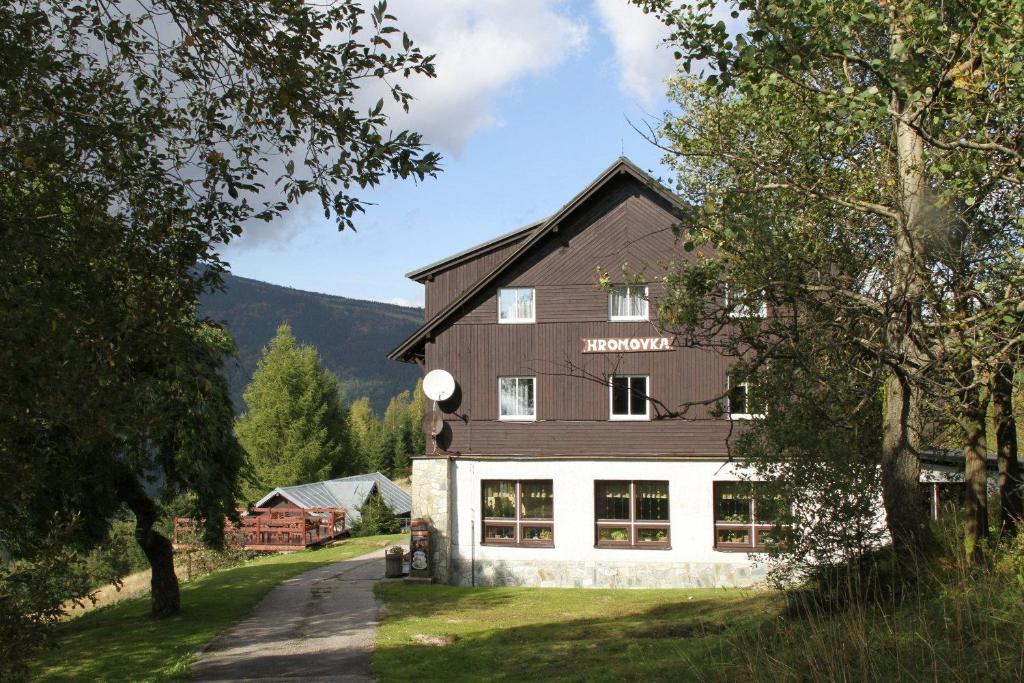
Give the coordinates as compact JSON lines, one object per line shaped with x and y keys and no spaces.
{"x":901,"y":466}
{"x":973,"y":420}
{"x":165,"y":595}
{"x":906,"y":516}
{"x":1011,"y":483}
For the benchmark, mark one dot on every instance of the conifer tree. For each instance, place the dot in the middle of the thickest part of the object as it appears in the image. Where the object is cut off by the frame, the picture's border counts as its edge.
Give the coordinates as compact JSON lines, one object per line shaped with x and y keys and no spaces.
{"x":369,"y":442}
{"x":294,"y":429}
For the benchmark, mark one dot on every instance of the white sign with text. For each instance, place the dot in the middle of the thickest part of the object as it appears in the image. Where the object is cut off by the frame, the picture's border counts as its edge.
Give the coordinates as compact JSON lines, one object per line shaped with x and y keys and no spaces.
{"x":627,"y":344}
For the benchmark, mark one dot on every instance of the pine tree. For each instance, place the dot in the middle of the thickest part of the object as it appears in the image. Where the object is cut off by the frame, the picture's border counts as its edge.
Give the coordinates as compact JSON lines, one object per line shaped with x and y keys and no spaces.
{"x":369,"y":442}
{"x":294,"y":430}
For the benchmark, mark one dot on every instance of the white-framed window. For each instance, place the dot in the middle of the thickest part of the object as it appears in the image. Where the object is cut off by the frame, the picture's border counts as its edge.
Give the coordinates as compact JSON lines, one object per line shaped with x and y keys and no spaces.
{"x":516,"y":305}
{"x":517,"y":398}
{"x":742,"y":306}
{"x":627,"y":302}
{"x":743,"y":401}
{"x":627,"y":397}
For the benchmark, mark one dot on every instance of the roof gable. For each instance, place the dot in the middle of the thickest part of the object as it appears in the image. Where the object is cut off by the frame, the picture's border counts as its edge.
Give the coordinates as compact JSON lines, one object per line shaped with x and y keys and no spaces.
{"x":413,"y":346}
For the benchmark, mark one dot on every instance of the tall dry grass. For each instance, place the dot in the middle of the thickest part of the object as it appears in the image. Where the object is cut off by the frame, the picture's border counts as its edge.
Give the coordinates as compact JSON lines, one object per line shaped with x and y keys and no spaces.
{"x":953,"y":622}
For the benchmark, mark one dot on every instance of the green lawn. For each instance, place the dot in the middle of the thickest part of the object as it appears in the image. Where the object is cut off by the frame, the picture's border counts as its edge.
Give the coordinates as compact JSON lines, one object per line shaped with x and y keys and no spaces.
{"x":564,"y":634}
{"x":122,"y":642}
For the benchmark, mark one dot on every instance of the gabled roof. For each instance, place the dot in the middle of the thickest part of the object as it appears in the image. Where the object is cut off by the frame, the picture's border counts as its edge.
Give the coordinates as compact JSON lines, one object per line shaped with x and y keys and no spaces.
{"x":427,"y":272}
{"x":407,"y":349}
{"x":348,"y":493}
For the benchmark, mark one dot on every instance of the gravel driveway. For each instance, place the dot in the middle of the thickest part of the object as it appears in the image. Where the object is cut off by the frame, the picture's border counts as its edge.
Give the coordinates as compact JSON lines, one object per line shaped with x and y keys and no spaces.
{"x":318,"y":626}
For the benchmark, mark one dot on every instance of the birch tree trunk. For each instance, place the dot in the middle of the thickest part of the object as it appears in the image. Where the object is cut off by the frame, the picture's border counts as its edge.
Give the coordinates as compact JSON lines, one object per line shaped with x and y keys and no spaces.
{"x":901,"y":466}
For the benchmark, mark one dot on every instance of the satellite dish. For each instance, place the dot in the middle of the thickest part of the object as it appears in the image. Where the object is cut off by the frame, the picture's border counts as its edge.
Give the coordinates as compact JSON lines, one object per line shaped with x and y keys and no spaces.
{"x":438,"y":385}
{"x":433,"y":423}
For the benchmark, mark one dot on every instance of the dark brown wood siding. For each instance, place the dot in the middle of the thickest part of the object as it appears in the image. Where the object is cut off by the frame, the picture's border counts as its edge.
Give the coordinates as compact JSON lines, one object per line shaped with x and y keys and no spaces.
{"x":626,"y":226}
{"x":448,"y":284}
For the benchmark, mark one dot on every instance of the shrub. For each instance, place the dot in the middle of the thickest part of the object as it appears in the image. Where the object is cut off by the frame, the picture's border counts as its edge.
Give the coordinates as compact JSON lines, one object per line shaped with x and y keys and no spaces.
{"x":375,"y":518}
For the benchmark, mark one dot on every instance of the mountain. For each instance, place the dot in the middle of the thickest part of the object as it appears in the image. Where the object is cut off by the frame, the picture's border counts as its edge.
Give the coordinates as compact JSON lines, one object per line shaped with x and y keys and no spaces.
{"x":352,"y":336}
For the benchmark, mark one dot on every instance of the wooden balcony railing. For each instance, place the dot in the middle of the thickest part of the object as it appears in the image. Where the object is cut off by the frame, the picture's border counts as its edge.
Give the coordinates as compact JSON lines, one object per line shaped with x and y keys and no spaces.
{"x":271,"y":529}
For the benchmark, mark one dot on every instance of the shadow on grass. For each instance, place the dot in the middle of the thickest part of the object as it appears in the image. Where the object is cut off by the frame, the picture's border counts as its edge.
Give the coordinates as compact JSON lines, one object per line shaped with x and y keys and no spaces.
{"x":123,"y":642}
{"x":568,"y":634}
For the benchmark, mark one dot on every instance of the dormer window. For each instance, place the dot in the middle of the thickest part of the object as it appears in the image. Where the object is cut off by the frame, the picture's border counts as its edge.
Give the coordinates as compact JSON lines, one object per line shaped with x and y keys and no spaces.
{"x":516,"y":305}
{"x":627,"y":302}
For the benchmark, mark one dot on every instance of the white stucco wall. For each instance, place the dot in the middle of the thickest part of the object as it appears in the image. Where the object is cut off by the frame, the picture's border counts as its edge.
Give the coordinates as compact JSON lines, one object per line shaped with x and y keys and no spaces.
{"x":574,"y":561}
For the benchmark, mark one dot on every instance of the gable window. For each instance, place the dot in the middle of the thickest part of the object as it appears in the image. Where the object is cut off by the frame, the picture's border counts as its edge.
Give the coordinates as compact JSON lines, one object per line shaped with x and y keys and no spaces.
{"x":743,"y":401}
{"x":516,"y":305}
{"x":628,"y":302}
{"x":517,"y":398}
{"x":518,"y":512}
{"x":629,"y":398}
{"x":745,"y":516}
{"x":631,"y":514}
{"x":742,"y":306}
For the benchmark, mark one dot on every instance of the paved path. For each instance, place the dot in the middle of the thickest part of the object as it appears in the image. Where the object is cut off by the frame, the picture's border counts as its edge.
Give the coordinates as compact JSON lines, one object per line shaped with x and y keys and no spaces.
{"x":317,"y":626}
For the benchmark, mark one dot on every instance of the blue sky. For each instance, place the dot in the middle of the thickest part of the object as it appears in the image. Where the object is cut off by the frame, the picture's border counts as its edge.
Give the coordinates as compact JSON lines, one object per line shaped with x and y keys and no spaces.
{"x":531,"y":102}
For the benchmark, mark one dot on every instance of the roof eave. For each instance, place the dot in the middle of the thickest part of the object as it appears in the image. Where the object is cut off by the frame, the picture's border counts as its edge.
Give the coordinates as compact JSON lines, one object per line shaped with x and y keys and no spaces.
{"x":428,"y":271}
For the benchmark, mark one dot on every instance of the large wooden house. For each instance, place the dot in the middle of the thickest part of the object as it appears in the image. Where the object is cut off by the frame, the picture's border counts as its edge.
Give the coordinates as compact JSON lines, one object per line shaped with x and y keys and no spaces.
{"x":557,"y":464}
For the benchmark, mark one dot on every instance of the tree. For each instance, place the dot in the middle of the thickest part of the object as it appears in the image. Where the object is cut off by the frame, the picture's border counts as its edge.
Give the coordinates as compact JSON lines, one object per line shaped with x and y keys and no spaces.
{"x":138,"y":138}
{"x":862,"y":160}
{"x":294,"y":428}
{"x":371,"y":443}
{"x":402,"y":426}
{"x":375,"y":517}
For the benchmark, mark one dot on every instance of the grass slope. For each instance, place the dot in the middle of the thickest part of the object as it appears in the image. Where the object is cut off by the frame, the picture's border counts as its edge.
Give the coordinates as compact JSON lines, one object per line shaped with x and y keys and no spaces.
{"x":555,"y":634}
{"x":123,"y":642}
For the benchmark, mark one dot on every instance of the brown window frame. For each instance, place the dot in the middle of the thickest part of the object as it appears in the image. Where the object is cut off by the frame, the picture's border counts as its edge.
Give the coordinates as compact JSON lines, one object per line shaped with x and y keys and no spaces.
{"x":632,"y":524}
{"x":518,"y":522}
{"x":756,"y":528}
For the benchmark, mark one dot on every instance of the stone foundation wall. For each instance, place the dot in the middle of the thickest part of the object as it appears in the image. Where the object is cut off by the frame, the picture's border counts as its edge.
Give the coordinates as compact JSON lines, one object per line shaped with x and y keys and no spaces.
{"x":596,"y":574}
{"x":431,"y":500}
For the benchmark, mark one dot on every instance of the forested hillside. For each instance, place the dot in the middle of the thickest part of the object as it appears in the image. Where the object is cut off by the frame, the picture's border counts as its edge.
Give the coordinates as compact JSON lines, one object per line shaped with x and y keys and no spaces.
{"x":352,"y":336}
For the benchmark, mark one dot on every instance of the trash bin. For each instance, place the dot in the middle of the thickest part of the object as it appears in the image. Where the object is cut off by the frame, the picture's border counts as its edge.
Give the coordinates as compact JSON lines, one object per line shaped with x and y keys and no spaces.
{"x":392,"y":564}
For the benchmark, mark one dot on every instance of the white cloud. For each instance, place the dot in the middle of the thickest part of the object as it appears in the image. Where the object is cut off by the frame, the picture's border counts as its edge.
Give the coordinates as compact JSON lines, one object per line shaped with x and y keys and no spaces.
{"x":402,"y":301}
{"x":483,"y":49}
{"x":643,"y":61}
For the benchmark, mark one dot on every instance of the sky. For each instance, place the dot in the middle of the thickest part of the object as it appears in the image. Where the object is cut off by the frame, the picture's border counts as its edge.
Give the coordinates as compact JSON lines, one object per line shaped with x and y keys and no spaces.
{"x":532,"y":100}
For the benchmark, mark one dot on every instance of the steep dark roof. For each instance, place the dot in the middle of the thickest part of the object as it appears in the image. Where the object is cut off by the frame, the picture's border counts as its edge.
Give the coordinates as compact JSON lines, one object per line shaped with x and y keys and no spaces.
{"x":411,"y":347}
{"x":428,"y":271}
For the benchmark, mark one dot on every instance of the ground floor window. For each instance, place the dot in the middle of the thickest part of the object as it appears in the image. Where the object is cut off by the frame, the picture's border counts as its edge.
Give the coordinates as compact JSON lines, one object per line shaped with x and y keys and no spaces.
{"x":518,"y":512}
{"x":746,"y":516}
{"x":631,"y":514}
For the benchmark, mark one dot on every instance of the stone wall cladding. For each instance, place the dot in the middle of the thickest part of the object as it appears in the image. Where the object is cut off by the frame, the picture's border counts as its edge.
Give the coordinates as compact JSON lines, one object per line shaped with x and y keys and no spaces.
{"x":431,"y":501}
{"x":587,"y":574}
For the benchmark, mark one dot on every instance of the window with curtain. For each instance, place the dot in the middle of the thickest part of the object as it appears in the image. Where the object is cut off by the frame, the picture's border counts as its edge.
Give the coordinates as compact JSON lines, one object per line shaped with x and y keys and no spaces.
{"x":747,"y":516}
{"x":741,"y":305}
{"x":628,"y":302}
{"x":515,"y":305}
{"x":518,"y":512}
{"x":517,"y":398}
{"x":631,"y":514}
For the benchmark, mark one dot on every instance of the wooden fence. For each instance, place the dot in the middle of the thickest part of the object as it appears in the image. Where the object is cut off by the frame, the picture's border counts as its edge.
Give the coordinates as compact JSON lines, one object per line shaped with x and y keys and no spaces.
{"x":271,"y":529}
